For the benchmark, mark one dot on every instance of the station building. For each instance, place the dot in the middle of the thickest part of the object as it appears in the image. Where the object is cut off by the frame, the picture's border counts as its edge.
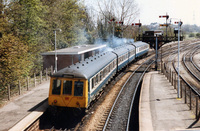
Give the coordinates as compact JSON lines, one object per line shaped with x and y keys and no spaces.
{"x":69,"y":56}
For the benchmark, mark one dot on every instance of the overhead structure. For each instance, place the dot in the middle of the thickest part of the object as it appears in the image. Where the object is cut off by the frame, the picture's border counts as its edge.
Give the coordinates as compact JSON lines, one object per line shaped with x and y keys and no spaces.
{"x":150,"y":36}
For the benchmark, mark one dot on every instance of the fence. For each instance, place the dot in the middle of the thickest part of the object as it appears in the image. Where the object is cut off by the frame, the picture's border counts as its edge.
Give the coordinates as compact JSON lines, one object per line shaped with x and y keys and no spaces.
{"x":187,"y":92}
{"x":25,"y":84}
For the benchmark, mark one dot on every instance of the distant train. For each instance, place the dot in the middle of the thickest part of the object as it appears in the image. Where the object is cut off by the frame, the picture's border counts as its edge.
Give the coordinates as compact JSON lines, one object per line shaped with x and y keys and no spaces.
{"x":77,"y":86}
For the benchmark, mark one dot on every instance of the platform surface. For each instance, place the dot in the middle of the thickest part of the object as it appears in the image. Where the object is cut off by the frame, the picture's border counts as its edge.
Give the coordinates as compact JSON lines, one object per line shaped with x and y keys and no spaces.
{"x":22,"y":106}
{"x":159,"y":108}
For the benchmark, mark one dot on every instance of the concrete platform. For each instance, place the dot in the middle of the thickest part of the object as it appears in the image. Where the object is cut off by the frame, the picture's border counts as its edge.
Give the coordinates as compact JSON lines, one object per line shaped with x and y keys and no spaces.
{"x":159,"y":108}
{"x":24,"y":105}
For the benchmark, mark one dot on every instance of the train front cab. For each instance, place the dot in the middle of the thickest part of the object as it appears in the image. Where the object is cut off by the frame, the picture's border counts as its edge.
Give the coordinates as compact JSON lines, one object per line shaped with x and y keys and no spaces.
{"x":66,"y":92}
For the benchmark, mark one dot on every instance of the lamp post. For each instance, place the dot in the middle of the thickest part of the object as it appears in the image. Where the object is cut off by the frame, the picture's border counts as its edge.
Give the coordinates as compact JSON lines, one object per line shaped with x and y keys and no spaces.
{"x":156,"y":64}
{"x":55,"y":49}
{"x":178,"y":68}
{"x":179,"y":25}
{"x":178,"y":61}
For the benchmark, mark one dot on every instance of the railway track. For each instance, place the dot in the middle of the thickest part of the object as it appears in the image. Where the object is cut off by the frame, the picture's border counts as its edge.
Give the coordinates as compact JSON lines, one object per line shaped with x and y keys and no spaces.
{"x":66,"y":121}
{"x":189,"y":86}
{"x":119,"y":116}
{"x":187,"y":71}
{"x":189,"y":63}
{"x":187,"y":66}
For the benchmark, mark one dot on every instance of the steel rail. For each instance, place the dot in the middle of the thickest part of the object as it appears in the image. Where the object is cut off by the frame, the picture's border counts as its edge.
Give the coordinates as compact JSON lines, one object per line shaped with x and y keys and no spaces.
{"x":192,"y":88}
{"x":109,"y":115}
{"x":184,"y":61}
{"x":133,"y":98}
{"x":191,"y":59}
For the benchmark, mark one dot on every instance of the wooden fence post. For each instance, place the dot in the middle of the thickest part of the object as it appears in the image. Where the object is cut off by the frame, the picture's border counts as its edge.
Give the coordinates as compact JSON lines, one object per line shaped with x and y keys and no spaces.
{"x":8,"y":91}
{"x":27,"y":83}
{"x":46,"y":74}
{"x":19,"y":85}
{"x":40,"y":77}
{"x":34,"y":80}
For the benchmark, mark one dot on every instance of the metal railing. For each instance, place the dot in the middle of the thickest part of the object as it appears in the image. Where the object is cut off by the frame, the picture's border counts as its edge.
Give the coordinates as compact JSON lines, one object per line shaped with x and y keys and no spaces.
{"x":189,"y":93}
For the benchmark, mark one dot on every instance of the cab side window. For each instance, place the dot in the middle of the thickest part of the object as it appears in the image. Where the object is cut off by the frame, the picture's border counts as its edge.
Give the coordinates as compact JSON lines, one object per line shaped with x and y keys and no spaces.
{"x":78,"y":88}
{"x":67,"y":87}
{"x":56,"y":87}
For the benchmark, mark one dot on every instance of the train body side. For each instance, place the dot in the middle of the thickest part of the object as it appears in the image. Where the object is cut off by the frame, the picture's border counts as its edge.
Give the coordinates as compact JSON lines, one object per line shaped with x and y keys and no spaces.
{"x":76,"y":86}
{"x":94,"y":72}
{"x":142,"y":48}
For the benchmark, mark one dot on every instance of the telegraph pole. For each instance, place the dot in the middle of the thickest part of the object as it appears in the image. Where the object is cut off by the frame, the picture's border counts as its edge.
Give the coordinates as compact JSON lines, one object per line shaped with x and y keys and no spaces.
{"x":56,"y":58}
{"x":178,"y":68}
{"x":156,"y":65}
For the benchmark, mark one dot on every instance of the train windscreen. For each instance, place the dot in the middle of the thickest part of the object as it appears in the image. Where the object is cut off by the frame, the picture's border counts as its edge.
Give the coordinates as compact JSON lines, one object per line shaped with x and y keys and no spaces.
{"x":78,"y":88}
{"x":67,"y":87}
{"x":56,"y":87}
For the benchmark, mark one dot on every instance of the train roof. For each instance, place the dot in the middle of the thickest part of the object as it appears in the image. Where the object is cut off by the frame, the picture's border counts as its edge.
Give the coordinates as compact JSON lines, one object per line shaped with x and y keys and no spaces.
{"x":123,"y":49}
{"x":87,"y":68}
{"x":139,"y":43}
{"x":90,"y":66}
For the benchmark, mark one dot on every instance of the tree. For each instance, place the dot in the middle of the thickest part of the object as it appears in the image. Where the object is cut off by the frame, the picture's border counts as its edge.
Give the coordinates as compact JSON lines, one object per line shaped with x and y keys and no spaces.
{"x":198,"y":35}
{"x":14,"y":60}
{"x":4,"y":25}
{"x":191,"y":35}
{"x":122,"y":10}
{"x":68,"y":15}
{"x":26,"y":19}
{"x":27,"y":27}
{"x":34,"y":22}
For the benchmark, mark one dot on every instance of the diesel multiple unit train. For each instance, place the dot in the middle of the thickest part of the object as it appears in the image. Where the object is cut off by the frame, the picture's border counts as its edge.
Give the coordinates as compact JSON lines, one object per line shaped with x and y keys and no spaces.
{"x":78,"y":85}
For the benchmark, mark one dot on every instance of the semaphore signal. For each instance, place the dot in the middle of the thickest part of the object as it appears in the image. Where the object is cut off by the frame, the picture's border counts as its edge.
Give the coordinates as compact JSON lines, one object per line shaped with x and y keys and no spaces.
{"x":134,"y":24}
{"x":164,"y":16}
{"x":178,"y":22}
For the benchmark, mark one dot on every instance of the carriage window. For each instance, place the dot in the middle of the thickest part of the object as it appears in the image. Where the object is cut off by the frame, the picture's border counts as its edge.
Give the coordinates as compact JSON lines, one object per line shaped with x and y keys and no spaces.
{"x":67,"y":87}
{"x":101,"y":75}
{"x":56,"y":87}
{"x":78,"y":88}
{"x":93,"y":81}
{"x":111,"y":66}
{"x":96,"y":79}
{"x":105,"y":72}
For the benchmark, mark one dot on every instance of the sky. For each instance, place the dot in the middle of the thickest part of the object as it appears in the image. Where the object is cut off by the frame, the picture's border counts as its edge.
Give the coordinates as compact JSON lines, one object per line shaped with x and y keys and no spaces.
{"x":150,"y":10}
{"x":186,"y":10}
